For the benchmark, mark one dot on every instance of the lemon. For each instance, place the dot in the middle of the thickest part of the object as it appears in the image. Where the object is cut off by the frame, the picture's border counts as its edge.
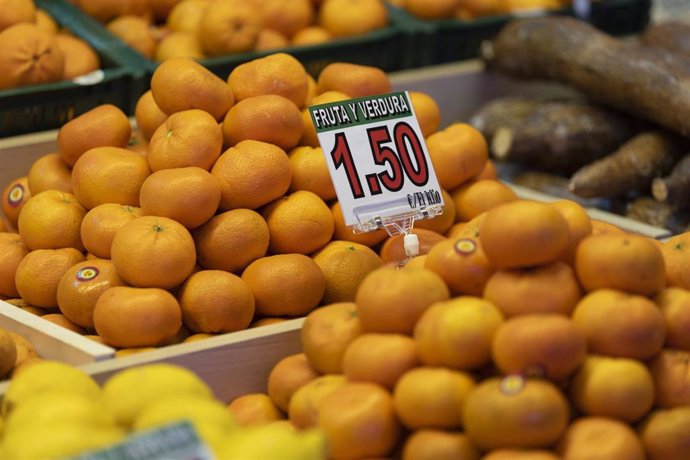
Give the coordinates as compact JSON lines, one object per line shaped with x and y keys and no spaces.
{"x":59,"y":441}
{"x":274,"y":440}
{"x":45,"y":411}
{"x":128,"y":392}
{"x":47,"y":376}
{"x":210,"y":418}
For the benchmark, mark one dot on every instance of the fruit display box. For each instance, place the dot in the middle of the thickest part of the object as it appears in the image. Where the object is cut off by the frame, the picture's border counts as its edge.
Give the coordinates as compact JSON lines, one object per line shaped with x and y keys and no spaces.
{"x":446,"y":40}
{"x":43,"y":107}
{"x":238,"y":363}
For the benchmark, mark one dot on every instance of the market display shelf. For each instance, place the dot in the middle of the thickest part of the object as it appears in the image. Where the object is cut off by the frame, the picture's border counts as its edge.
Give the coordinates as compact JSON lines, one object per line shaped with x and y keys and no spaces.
{"x":47,"y":106}
{"x":446,"y":40}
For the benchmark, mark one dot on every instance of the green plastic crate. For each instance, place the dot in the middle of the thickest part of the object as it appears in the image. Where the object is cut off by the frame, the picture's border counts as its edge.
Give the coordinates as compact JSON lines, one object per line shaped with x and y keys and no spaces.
{"x":43,"y":107}
{"x":447,"y":40}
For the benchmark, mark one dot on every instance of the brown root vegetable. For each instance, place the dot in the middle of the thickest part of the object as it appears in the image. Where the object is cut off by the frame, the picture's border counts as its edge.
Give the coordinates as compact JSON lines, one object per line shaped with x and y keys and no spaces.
{"x":670,"y":35}
{"x":674,"y":188}
{"x":650,"y":83}
{"x":659,"y":214}
{"x":557,"y":136}
{"x":501,"y":112}
{"x":629,"y":169}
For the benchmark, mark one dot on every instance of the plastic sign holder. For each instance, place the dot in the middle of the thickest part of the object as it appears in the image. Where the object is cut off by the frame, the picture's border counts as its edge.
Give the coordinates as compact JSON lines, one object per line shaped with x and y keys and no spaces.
{"x":379,"y":164}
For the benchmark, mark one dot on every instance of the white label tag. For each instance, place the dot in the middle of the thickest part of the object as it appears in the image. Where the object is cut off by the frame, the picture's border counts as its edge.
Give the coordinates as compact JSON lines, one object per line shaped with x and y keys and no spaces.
{"x":377,"y":158}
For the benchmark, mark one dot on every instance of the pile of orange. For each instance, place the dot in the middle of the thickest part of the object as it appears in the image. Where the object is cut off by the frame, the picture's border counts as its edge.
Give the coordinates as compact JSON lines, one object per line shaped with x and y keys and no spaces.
{"x":35,"y":49}
{"x":470,"y":9}
{"x":164,"y":29}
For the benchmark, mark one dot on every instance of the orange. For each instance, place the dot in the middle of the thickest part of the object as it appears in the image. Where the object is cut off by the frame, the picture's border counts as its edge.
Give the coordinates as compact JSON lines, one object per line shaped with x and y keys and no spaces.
{"x":347,"y":18}
{"x":186,"y":138}
{"x":309,"y":136}
{"x":462,"y":264}
{"x":14,"y":197}
{"x":458,"y":153}
{"x":179,"y":45}
{"x":579,"y":225}
{"x":590,"y":437}
{"x":671,"y":378}
{"x":267,"y":118}
{"x":62,"y":321}
{"x":428,"y":444}
{"x":80,"y":57}
{"x":298,"y":223}
{"x":600,"y":226}
{"x":287,"y":16}
{"x":267,"y":321}
{"x":390,"y":300}
{"x":393,"y":249}
{"x":134,"y":31}
{"x":285,"y":284}
{"x":100,"y":224}
{"x":513,"y":412}
{"x":231,"y":240}
{"x":416,"y":262}
{"x":102,"y":10}
{"x":278,"y":73}
{"x":197,"y":337}
{"x":427,"y":111}
{"x":341,"y":232}
{"x":441,"y":223}
{"x":103,"y":126}
{"x":359,"y":421}
{"x":51,"y":220}
{"x":186,"y":15}
{"x":38,"y":274}
{"x":432,"y":397}
{"x":310,"y":172}
{"x":355,"y":80}
{"x":312,"y":35}
{"x":183,"y":84}
{"x":637,"y":333}
{"x":81,"y":286}
{"x":631,"y":263}
{"x":521,"y":454}
{"x":270,"y":39}
{"x":152,"y":251}
{"x":188,"y":195}
{"x":620,"y":388}
{"x":12,"y":251}
{"x":109,"y":175}
{"x":302,"y":410}
{"x":379,"y":358}
{"x":131,"y":317}
{"x":30,"y":56}
{"x":674,"y":303}
{"x":215,"y":301}
{"x":16,"y":11}
{"x":161,"y":8}
{"x":664,"y":433}
{"x":49,"y":172}
{"x":344,"y":265}
{"x":549,"y":288}
{"x":675,"y":251}
{"x":457,"y":333}
{"x":477,"y":196}
{"x":545,"y":345}
{"x":489,"y":172}
{"x":252,"y":174}
{"x":438,"y":9}
{"x":287,"y":376}
{"x":45,"y":21}
{"x":326,"y":333}
{"x":148,"y":115}
{"x":523,"y":234}
{"x":228,"y":27}
{"x":254,"y":409}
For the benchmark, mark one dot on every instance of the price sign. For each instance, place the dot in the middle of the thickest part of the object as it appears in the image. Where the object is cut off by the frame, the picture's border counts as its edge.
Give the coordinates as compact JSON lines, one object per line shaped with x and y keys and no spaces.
{"x":377,"y":159}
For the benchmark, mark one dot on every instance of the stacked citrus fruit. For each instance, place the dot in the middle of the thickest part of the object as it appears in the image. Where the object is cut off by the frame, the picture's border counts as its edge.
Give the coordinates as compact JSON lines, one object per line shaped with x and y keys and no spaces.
{"x":73,"y":414}
{"x":36,"y":50}
{"x":163,"y":29}
{"x":469,"y":9}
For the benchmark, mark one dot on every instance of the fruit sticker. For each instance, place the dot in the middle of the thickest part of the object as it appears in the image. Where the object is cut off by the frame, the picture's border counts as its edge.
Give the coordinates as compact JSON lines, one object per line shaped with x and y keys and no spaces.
{"x":377,"y":159}
{"x":512,"y":384}
{"x":16,"y":195}
{"x":87,"y":273}
{"x":465,"y":246}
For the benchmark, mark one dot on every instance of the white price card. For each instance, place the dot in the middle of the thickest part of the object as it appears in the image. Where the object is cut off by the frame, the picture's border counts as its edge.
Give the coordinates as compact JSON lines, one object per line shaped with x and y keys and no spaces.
{"x":377,"y":158}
